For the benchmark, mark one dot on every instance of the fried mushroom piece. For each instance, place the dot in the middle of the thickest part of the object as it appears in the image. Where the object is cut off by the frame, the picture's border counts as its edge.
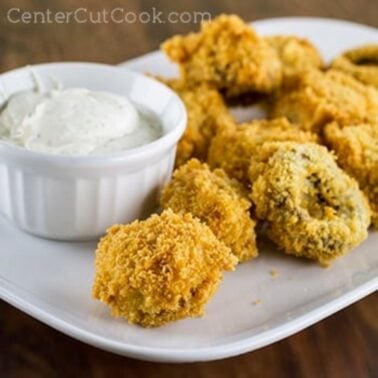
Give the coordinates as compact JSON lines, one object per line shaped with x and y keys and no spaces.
{"x":232,"y":150}
{"x":361,"y":63}
{"x":297,"y":55}
{"x":312,"y":207}
{"x":356,"y":148}
{"x":207,"y":115}
{"x":322,"y":97}
{"x":159,"y":270}
{"x":227,"y":54}
{"x":218,"y":201}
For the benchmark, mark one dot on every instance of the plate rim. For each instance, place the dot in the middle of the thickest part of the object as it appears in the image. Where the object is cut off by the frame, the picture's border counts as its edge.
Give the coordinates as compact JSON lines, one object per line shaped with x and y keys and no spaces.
{"x":191,"y":354}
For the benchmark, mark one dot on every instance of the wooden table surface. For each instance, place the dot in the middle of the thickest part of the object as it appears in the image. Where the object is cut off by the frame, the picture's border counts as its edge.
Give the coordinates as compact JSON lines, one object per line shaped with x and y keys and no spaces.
{"x":344,"y":345}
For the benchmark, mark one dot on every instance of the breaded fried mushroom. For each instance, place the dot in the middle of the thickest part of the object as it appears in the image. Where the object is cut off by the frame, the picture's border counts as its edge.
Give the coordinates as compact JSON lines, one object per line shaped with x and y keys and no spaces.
{"x":296,"y":54}
{"x":232,"y":150}
{"x":159,"y":270}
{"x":227,"y":54}
{"x":323,"y":97}
{"x":312,"y":208}
{"x":356,"y":148}
{"x":218,"y":201}
{"x":207,"y":116}
{"x":361,"y":63}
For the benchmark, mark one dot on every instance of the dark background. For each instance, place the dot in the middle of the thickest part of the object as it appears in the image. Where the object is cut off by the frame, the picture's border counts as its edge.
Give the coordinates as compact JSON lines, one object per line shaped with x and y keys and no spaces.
{"x":344,"y":345}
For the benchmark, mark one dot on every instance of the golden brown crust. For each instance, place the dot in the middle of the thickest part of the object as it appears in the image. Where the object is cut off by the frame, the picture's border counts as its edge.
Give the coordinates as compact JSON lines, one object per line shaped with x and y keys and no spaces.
{"x":232,"y":150}
{"x":227,"y":54}
{"x":159,"y":270}
{"x":323,"y":97}
{"x":297,"y":55}
{"x":218,"y":201}
{"x":361,"y":63}
{"x":312,"y":208}
{"x":356,"y":147}
{"x":207,"y":115}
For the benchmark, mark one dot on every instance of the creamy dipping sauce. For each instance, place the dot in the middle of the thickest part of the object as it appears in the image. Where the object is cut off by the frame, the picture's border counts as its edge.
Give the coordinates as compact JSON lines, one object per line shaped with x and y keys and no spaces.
{"x":76,"y":121}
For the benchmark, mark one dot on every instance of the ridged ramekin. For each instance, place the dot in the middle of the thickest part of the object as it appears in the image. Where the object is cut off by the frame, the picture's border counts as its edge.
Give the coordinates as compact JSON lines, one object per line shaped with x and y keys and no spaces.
{"x":77,"y":198}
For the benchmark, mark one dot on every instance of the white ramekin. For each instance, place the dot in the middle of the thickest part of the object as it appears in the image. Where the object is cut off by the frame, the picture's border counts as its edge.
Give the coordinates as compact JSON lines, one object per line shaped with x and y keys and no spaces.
{"x":77,"y":198}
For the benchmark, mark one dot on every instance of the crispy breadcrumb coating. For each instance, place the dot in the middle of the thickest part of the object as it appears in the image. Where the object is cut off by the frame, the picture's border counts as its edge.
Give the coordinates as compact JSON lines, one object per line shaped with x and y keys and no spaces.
{"x":361,"y":63}
{"x":356,"y":147}
{"x":232,"y":150}
{"x":312,"y":207}
{"x":218,"y":201}
{"x":296,"y":54}
{"x":323,"y":97}
{"x":207,"y":115}
{"x":159,"y":270}
{"x":228,"y":54}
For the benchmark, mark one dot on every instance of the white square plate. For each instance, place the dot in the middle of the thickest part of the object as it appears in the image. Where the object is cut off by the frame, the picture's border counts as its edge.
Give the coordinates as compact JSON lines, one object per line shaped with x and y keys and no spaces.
{"x":264,"y":301}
